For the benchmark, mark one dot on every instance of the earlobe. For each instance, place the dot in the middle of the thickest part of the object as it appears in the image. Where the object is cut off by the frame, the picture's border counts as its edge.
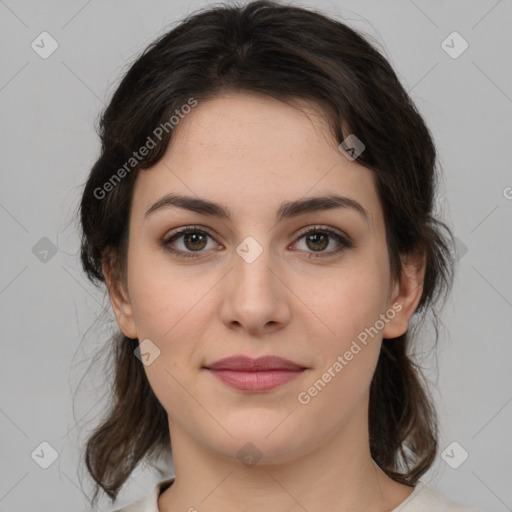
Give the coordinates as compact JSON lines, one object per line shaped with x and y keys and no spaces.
{"x":119,"y":300}
{"x":406,"y":295}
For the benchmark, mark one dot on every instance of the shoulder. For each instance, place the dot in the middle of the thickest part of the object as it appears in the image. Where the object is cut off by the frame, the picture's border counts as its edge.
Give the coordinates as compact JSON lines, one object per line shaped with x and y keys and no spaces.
{"x":426,"y":499}
{"x":149,"y":502}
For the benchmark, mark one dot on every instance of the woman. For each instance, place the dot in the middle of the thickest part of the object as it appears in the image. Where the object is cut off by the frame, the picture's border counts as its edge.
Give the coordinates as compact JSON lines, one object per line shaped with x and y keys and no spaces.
{"x":262,"y":215}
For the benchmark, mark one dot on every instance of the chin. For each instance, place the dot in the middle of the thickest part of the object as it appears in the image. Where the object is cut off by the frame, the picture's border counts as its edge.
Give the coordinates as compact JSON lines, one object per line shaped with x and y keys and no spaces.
{"x":261,"y":443}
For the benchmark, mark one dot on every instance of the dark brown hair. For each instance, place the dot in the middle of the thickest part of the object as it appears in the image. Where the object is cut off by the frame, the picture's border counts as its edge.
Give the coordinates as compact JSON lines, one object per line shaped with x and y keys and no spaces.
{"x":289,"y":53}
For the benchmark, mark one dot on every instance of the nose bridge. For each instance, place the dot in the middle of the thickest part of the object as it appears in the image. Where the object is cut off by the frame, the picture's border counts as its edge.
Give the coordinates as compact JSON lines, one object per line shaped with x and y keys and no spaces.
{"x":256,"y":297}
{"x":253,"y":264}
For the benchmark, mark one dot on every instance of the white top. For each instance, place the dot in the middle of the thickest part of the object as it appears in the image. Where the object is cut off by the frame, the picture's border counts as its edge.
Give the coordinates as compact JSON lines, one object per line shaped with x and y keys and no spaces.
{"x":422,"y":499}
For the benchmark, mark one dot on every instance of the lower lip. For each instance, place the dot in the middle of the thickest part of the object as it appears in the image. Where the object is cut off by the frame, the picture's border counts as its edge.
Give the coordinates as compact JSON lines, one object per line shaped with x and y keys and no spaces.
{"x":256,"y":381}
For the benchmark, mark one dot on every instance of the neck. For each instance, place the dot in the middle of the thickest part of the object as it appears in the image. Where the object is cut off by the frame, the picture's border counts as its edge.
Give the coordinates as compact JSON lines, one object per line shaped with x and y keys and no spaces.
{"x":338,"y":475}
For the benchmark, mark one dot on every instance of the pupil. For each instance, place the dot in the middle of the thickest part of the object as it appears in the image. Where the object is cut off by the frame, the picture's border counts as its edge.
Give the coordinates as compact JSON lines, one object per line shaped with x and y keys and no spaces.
{"x":192,"y":236}
{"x":321,"y":236}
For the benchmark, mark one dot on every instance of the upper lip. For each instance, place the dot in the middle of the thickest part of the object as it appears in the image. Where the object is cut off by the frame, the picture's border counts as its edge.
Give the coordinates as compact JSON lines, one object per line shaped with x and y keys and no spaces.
{"x":248,"y":364}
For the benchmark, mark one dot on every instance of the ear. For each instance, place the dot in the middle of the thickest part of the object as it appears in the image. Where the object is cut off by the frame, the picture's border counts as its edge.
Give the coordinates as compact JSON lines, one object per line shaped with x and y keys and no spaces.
{"x":119,"y":299}
{"x":406,"y":294}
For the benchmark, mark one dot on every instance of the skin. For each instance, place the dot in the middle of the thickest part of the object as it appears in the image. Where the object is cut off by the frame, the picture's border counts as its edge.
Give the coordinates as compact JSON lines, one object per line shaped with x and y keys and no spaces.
{"x":251,"y":152}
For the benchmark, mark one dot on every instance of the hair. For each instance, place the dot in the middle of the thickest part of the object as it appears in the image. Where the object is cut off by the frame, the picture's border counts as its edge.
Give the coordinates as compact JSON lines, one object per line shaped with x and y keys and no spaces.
{"x":289,"y":53}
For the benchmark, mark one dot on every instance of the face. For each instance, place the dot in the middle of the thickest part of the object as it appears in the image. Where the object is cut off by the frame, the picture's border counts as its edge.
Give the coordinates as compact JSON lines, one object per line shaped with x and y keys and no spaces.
{"x":258,"y":284}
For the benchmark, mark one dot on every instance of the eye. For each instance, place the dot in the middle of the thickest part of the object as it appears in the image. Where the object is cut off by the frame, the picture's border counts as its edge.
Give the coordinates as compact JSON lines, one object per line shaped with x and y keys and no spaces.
{"x":318,"y":238}
{"x":194,"y":240}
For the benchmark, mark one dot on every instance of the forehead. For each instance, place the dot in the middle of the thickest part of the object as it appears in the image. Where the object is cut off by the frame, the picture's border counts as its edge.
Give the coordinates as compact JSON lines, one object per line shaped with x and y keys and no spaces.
{"x":259,"y":125}
{"x":253,"y":151}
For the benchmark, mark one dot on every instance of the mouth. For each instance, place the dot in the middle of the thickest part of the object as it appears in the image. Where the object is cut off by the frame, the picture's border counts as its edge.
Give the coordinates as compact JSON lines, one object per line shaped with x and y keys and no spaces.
{"x":255,"y":375}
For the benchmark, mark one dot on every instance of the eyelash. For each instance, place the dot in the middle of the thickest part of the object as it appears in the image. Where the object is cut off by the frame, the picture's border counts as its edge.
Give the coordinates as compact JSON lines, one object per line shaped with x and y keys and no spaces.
{"x":345,"y":243}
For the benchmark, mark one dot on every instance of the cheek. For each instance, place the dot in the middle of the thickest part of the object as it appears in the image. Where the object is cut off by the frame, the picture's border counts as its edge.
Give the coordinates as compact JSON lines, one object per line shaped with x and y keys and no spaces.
{"x":349,"y":352}
{"x":174,"y":312}
{"x":348,"y":336}
{"x":170,"y":312}
{"x":164,"y":300}
{"x":346,"y":302}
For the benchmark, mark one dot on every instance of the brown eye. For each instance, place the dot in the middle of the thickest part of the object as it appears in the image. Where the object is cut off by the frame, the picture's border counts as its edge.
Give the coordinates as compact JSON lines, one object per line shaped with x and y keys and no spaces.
{"x":318,"y":239}
{"x":193,"y":240}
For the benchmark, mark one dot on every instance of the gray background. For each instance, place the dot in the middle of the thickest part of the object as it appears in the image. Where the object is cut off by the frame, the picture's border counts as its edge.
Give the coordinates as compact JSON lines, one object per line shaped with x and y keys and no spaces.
{"x":51,"y":326}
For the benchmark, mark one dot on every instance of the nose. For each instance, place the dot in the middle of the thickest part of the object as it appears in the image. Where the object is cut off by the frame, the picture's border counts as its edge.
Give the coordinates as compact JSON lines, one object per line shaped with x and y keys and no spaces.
{"x":255,"y":295}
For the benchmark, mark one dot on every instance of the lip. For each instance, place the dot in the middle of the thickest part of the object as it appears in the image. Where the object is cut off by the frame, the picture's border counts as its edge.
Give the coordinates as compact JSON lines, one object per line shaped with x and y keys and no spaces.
{"x":248,"y":364}
{"x":255,"y":375}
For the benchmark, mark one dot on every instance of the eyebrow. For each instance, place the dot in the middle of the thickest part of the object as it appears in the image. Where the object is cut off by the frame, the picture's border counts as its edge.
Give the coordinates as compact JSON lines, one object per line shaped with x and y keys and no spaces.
{"x":287,"y":210}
